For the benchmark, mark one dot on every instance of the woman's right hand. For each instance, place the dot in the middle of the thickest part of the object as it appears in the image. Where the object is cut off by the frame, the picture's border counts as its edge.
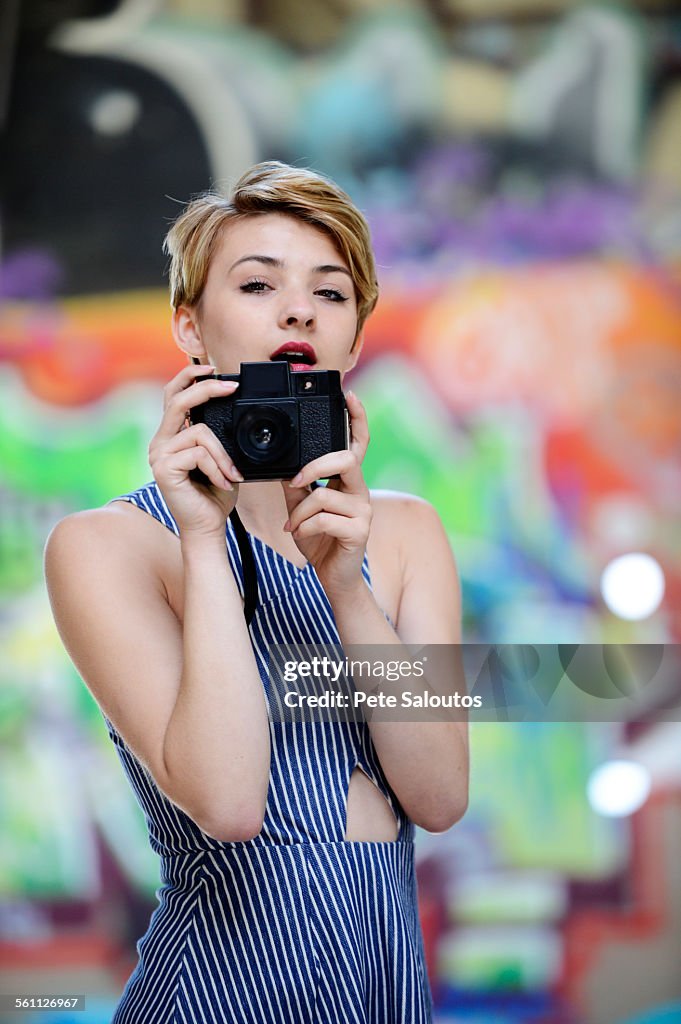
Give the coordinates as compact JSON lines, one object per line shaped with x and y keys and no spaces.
{"x":177,"y":448}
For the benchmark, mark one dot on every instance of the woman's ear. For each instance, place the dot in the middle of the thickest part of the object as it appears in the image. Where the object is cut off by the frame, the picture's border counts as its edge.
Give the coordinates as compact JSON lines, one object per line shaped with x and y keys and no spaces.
{"x":355,"y":351}
{"x":187,"y":333}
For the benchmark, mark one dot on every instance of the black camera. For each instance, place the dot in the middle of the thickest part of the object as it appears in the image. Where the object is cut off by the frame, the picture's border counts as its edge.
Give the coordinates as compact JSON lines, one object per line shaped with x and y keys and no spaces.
{"x":278,"y":420}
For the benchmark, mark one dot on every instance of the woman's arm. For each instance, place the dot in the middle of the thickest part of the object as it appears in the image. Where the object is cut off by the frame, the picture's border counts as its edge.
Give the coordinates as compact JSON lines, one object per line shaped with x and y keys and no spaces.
{"x":186,"y":698}
{"x":425,"y":762}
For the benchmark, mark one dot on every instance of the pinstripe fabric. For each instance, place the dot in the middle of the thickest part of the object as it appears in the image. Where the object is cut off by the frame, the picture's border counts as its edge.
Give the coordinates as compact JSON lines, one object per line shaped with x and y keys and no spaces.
{"x":297,"y":925}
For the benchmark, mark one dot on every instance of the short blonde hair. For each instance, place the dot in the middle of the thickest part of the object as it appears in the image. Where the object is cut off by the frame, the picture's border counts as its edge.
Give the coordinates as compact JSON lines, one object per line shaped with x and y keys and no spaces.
{"x":270,"y":187}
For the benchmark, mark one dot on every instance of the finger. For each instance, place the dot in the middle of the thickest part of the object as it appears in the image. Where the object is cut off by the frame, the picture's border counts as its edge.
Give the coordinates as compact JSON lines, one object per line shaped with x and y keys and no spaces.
{"x":188,"y":398}
{"x":340,"y":503}
{"x":359,"y":425}
{"x":196,"y":457}
{"x":200,"y":434}
{"x":184,"y":379}
{"x":293,"y":496}
{"x":349,"y":531}
{"x":344,"y":464}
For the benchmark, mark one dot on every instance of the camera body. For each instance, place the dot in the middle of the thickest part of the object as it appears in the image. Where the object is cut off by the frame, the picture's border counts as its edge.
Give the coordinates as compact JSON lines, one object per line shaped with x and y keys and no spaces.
{"x":278,"y":420}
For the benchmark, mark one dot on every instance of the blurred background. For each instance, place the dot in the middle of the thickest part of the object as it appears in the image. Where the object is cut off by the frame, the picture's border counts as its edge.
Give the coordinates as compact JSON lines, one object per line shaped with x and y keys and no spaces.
{"x":519,"y":162}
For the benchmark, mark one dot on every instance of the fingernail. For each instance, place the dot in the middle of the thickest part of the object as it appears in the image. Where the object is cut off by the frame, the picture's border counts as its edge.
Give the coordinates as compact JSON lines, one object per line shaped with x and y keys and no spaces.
{"x":296,"y":480}
{"x":287,"y":526}
{"x":229,"y":384}
{"x":236,"y":475}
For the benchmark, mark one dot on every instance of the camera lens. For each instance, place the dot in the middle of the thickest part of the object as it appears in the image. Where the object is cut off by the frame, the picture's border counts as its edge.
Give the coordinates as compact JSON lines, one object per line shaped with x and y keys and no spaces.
{"x":265,"y":433}
{"x":262,"y":436}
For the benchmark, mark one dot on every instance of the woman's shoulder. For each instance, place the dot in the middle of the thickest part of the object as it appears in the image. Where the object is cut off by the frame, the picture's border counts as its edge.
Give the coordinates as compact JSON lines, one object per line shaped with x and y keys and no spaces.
{"x":398,"y":499}
{"x":403,"y":529}
{"x":415,"y":552}
{"x":119,"y":529}
{"x":407,"y":531}
{"x":398,"y":513}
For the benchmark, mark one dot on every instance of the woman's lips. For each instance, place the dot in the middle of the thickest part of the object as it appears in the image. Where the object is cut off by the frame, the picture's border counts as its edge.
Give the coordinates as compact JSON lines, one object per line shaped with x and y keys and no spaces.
{"x":290,"y":349}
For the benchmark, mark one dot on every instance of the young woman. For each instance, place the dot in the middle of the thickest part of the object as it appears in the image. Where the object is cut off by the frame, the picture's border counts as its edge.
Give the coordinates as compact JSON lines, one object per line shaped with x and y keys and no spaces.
{"x":286,"y":849}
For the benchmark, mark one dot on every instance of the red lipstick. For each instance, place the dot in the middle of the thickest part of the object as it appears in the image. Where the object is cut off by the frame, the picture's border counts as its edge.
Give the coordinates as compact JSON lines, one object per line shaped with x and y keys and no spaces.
{"x":300,"y":355}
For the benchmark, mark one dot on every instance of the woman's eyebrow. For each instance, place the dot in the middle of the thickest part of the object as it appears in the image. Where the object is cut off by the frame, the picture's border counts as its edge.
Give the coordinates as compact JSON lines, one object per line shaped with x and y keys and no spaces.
{"x":273,"y":261}
{"x":269,"y":261}
{"x":332,"y":268}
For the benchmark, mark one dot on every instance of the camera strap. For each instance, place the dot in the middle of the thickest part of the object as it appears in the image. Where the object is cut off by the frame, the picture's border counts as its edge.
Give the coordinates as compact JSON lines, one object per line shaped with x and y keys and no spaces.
{"x":248,"y":563}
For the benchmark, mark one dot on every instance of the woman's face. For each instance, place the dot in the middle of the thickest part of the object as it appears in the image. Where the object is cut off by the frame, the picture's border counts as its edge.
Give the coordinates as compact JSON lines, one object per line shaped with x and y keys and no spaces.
{"x":276,"y":288}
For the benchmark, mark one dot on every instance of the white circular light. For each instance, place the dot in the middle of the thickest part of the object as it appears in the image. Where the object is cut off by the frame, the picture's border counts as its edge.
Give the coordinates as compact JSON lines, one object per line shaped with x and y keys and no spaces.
{"x":618,"y":788}
{"x":115,"y":112}
{"x":633,"y":586}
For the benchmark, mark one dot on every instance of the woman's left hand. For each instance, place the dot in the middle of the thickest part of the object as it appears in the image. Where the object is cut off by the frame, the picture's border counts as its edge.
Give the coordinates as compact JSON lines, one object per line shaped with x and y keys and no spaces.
{"x":330,"y":525}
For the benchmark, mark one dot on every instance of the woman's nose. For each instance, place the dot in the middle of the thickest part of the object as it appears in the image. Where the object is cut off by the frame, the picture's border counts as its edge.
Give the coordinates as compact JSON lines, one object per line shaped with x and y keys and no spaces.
{"x":297,"y":311}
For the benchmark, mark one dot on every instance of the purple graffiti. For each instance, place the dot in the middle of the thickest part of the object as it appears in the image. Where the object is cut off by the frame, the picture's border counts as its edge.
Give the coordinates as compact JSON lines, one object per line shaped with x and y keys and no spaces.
{"x":29,"y":274}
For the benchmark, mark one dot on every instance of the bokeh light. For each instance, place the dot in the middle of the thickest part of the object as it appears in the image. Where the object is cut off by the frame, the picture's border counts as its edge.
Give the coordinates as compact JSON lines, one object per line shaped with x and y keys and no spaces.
{"x":633,"y":586}
{"x":618,"y":788}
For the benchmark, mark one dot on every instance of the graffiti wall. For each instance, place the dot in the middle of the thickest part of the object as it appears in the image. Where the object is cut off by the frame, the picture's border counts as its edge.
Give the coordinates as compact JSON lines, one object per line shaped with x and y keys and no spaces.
{"x":520,"y":167}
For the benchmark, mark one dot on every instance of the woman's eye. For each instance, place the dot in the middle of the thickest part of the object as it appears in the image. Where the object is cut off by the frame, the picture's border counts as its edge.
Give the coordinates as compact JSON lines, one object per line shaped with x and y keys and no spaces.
{"x":333,"y":294}
{"x":254,"y":286}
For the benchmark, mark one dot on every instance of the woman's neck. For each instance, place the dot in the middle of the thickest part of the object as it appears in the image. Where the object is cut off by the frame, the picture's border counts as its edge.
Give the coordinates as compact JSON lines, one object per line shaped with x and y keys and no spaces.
{"x":262,"y":508}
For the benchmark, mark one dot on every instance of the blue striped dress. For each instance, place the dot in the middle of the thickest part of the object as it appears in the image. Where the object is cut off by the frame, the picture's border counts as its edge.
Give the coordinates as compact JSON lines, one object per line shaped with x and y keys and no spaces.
{"x":297,"y":925}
